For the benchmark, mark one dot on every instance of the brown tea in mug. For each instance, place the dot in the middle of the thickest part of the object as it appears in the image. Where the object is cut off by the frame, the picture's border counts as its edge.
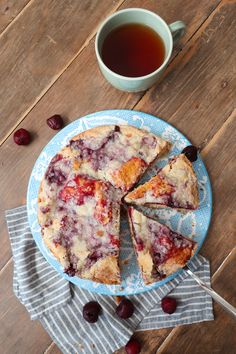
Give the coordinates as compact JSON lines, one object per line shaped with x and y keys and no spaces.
{"x":133,"y":50}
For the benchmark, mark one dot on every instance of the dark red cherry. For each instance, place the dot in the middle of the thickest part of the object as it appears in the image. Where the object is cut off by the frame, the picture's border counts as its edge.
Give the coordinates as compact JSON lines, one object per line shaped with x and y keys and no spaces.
{"x":91,"y":311}
{"x":168,"y":304}
{"x":125,"y":309}
{"x":117,"y":128}
{"x":21,"y":137}
{"x":133,"y":347}
{"x":190,"y":152}
{"x":55,"y":122}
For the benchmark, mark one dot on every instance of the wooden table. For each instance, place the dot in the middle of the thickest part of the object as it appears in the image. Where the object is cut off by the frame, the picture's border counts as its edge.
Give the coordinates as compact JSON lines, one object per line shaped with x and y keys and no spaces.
{"x":48,"y":66}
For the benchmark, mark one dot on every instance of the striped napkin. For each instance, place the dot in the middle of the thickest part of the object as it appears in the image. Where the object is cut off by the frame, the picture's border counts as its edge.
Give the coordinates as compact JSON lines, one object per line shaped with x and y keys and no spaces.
{"x":57,"y":304}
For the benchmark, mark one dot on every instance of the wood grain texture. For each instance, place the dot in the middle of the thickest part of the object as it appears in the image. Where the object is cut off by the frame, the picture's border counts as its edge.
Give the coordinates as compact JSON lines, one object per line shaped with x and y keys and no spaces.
{"x":37,"y":49}
{"x":18,"y":334}
{"x":219,"y":157}
{"x":81,"y":89}
{"x":9,"y":9}
{"x":198,"y":92}
{"x":216,"y":336}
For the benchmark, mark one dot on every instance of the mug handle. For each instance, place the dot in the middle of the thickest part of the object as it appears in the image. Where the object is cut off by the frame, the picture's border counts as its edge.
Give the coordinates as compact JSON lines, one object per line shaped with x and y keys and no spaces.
{"x":177,"y":30}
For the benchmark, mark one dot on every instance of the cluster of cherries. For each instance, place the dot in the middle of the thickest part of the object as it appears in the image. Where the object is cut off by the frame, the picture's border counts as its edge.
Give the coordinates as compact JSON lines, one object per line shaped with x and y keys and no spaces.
{"x":125,"y":310}
{"x":23,"y":137}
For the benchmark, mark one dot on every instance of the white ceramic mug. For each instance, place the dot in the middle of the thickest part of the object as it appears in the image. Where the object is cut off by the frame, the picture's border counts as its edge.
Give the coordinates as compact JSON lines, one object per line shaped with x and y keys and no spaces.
{"x":169,"y":34}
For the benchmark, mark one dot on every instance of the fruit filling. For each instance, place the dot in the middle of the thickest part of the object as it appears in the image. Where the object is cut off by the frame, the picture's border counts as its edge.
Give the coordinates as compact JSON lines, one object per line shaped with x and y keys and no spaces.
{"x":86,"y":230}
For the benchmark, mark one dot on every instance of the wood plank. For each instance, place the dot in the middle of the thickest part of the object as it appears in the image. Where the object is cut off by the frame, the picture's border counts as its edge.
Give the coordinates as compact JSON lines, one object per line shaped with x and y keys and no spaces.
{"x":38,"y":47}
{"x":17,"y":333}
{"x":219,"y":157}
{"x":9,"y":9}
{"x":199,"y":90}
{"x":216,"y":336}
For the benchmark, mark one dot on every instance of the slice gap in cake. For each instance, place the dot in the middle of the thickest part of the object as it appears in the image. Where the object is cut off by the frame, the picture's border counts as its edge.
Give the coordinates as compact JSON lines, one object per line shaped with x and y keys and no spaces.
{"x":160,"y":251}
{"x":174,"y":186}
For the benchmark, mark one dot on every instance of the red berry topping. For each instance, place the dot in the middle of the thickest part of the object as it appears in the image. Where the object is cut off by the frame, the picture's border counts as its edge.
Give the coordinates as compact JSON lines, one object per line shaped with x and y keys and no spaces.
{"x":91,"y":311}
{"x":21,"y":137}
{"x":114,"y":241}
{"x":133,"y":347}
{"x":55,"y":122}
{"x":83,"y":188}
{"x":125,"y":309}
{"x":168,"y":304}
{"x":190,"y":152}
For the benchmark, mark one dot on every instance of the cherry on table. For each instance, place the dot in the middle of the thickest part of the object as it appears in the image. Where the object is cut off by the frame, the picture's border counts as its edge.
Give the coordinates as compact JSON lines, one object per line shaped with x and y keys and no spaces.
{"x":125,"y":309}
{"x":22,"y":137}
{"x":190,"y":152}
{"x":168,"y":304}
{"x":133,"y":347}
{"x":55,"y":122}
{"x":91,"y":311}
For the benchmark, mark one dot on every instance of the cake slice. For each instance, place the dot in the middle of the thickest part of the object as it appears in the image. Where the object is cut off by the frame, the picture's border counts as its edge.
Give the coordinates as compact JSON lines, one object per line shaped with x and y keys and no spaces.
{"x":80,"y":225}
{"x":174,"y":186}
{"x":160,"y":251}
{"x":117,"y":154}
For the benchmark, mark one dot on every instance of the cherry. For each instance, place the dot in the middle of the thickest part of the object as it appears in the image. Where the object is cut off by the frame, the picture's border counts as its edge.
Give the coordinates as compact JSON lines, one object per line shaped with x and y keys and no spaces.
{"x":55,"y":122}
{"x":133,"y":347}
{"x":190,"y":152}
{"x":21,"y":137}
{"x":91,"y":311}
{"x":117,"y":128}
{"x":125,"y":309}
{"x":168,"y":304}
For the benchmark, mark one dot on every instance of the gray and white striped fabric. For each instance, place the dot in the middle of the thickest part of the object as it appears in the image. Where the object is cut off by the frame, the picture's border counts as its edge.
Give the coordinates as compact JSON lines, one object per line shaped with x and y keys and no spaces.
{"x":58,"y":304}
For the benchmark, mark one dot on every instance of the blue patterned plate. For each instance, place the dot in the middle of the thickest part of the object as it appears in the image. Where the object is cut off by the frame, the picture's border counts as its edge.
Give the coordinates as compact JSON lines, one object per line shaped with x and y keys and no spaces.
{"x":194,"y":224}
